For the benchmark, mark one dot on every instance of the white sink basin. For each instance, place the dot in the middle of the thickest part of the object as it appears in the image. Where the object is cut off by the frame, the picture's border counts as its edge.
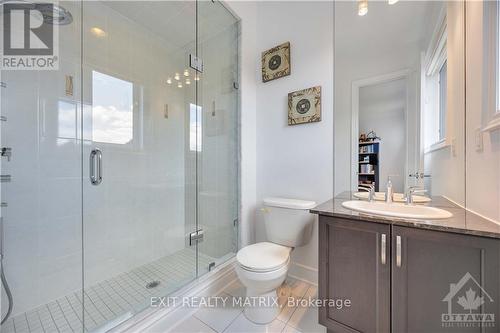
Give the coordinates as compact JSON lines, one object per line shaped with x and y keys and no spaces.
{"x":397,"y":210}
{"x":398,"y":197}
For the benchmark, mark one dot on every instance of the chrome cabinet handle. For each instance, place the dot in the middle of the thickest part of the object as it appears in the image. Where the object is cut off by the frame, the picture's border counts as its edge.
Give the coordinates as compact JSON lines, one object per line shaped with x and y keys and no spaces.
{"x":95,"y":167}
{"x":383,"y":249}
{"x":398,"y":251}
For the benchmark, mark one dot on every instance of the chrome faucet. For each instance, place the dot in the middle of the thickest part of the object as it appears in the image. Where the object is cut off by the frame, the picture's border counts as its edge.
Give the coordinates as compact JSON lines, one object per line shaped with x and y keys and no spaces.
{"x":370,"y":188}
{"x":411,"y":191}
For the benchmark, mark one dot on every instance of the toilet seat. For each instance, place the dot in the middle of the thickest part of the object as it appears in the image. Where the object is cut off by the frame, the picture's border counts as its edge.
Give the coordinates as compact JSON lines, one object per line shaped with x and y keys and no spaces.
{"x":263,"y":257}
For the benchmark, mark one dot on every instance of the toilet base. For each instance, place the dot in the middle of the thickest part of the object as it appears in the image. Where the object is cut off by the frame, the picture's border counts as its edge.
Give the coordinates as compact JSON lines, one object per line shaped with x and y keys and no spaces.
{"x":264,"y":308}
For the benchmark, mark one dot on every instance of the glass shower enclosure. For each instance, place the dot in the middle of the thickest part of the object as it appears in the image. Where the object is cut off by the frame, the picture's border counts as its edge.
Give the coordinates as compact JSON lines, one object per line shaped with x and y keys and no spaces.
{"x":120,"y":159}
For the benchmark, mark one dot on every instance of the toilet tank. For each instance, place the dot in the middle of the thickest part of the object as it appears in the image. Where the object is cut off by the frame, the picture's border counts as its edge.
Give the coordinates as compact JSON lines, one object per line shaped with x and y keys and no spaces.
{"x":288,"y":221}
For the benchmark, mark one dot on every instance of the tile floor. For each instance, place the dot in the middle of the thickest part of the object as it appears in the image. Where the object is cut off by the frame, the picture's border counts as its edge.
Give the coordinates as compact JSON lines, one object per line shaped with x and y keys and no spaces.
{"x":232,"y":320}
{"x":108,"y":300}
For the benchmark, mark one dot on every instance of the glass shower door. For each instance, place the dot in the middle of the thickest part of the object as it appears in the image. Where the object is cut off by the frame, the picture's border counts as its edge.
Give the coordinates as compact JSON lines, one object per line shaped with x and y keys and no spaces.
{"x":218,"y":154}
{"x":117,"y":157}
{"x":138,"y":93}
{"x":41,"y":187}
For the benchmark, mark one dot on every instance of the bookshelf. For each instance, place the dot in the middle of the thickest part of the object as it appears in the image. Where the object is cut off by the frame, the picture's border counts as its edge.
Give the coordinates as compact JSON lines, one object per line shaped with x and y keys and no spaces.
{"x":368,"y":163}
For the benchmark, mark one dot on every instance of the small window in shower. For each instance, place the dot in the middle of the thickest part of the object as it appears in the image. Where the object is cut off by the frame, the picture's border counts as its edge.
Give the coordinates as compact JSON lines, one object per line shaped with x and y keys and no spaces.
{"x":66,"y":120}
{"x":112,"y":109}
{"x":194,"y":127}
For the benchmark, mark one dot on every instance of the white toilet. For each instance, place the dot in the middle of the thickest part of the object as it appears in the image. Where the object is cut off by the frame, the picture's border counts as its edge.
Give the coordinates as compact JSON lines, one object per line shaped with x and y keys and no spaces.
{"x":262,"y":267}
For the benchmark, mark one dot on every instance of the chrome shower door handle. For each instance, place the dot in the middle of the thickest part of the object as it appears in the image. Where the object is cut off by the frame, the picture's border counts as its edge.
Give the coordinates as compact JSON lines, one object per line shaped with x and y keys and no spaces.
{"x":95,"y":167}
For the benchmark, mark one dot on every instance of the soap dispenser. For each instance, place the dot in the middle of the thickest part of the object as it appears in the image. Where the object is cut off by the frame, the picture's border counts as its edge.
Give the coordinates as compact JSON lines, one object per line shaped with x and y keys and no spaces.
{"x":388,"y":191}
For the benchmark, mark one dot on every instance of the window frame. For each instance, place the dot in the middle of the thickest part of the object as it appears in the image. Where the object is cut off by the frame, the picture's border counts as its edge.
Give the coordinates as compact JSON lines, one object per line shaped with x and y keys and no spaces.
{"x":435,"y":58}
{"x":442,"y":111}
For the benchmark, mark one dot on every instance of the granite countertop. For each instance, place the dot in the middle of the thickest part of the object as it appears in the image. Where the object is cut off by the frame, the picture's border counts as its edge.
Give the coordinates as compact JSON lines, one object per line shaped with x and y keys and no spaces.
{"x":462,"y":222}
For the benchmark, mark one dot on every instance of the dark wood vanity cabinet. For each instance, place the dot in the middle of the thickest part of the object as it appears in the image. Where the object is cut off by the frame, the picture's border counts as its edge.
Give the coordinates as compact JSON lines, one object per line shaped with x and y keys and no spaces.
{"x":425,"y":274}
{"x":431,"y":261}
{"x":352,"y":267}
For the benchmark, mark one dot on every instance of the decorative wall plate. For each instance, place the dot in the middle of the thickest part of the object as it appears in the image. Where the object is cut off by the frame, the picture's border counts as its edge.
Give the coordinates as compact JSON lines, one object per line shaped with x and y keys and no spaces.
{"x":276,"y":62}
{"x":304,"y":106}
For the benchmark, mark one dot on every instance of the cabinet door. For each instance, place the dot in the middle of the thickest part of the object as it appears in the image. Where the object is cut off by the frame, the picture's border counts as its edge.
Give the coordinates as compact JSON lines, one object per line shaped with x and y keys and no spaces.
{"x":352,"y":267}
{"x":438,"y":274}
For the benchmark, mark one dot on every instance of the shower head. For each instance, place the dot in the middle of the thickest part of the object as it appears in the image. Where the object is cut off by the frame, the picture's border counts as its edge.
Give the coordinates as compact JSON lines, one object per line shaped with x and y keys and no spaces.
{"x":52,"y":13}
{"x":55,"y":14}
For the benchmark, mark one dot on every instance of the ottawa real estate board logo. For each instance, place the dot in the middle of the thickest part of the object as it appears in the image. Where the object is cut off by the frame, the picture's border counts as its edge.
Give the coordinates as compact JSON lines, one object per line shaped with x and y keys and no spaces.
{"x":467,"y":305}
{"x":29,"y":37}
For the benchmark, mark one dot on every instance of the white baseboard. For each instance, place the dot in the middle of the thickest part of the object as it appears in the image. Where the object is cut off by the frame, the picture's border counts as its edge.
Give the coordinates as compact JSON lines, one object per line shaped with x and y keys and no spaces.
{"x":305,"y":273}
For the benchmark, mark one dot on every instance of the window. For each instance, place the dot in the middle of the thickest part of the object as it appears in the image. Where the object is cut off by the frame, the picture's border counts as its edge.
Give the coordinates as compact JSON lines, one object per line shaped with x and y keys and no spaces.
{"x":112,"y":109}
{"x":66,"y":120}
{"x":194,"y":127}
{"x":442,"y":101}
{"x":435,"y":86}
{"x":69,"y":120}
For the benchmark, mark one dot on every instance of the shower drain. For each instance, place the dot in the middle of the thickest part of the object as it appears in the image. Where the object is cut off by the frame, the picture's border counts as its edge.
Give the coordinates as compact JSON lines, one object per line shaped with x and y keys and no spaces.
{"x":152,"y":284}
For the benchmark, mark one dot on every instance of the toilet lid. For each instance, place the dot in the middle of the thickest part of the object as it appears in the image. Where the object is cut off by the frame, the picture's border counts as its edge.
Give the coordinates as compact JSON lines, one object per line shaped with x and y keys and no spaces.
{"x":263,"y":256}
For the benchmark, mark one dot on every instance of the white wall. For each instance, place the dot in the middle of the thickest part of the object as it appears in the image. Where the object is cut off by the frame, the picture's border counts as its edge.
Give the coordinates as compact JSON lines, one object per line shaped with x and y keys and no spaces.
{"x":382,"y":109}
{"x":247,"y":12}
{"x":447,"y":165}
{"x":275,"y":155}
{"x":295,"y":161}
{"x":483,"y":166}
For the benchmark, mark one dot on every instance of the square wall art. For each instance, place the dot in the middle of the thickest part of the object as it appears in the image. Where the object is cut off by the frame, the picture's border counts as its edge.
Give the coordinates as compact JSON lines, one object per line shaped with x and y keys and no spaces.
{"x":304,"y":106}
{"x":276,"y":62}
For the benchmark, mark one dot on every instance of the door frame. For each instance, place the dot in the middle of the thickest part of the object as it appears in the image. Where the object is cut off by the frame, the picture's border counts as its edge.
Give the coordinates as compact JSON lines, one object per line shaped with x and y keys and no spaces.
{"x":355,"y":88}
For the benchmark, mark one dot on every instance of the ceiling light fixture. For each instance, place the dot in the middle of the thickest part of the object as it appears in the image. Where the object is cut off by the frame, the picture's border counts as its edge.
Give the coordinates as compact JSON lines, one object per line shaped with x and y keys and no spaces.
{"x":392,"y":2}
{"x":177,"y":77}
{"x":179,"y":85}
{"x":169,"y":80}
{"x":98,"y":32}
{"x":362,"y":7}
{"x":188,"y":81}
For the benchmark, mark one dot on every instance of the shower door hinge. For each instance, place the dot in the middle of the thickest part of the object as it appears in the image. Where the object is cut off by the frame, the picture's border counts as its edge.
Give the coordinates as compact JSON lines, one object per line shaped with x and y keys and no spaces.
{"x":196,"y":237}
{"x":236,"y":85}
{"x":196,"y":63}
